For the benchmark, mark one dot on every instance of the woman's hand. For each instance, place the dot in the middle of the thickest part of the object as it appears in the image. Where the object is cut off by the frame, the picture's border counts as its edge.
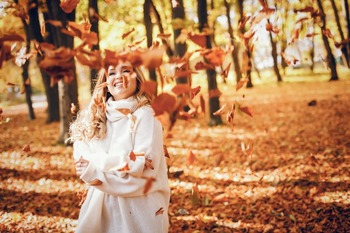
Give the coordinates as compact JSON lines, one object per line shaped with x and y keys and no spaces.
{"x":81,"y":165}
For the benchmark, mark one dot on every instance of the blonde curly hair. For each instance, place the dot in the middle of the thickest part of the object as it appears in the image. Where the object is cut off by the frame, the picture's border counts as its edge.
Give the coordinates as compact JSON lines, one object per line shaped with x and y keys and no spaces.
{"x":91,"y":122}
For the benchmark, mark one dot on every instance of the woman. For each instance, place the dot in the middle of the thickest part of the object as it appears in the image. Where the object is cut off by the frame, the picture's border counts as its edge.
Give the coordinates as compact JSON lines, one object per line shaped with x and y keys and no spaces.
{"x":118,"y":151}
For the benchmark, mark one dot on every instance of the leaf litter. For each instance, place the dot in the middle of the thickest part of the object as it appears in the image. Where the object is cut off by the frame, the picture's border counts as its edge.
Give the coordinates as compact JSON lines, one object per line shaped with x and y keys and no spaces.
{"x":283,"y":170}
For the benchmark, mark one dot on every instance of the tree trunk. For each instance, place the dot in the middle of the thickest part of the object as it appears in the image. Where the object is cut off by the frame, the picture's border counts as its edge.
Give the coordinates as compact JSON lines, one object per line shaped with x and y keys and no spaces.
{"x":160,"y":27}
{"x":347,"y":14}
{"x":283,"y":38}
{"x":235,"y":45}
{"x":50,"y":92}
{"x":180,"y":48}
{"x":25,"y":77}
{"x":330,"y":57}
{"x":247,"y":51}
{"x":149,"y":32}
{"x":68,"y":92}
{"x":94,"y":28}
{"x":214,"y":103}
{"x":274,"y":57}
{"x":344,"y":49}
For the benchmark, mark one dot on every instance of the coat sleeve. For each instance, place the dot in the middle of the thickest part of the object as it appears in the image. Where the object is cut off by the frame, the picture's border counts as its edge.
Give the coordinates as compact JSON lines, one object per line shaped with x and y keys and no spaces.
{"x":148,"y":140}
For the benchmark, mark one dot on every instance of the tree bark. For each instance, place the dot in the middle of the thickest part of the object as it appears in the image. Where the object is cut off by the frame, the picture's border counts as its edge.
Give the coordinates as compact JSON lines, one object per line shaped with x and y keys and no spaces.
{"x":247,"y":51}
{"x":235,"y":45}
{"x":347,"y":14}
{"x":149,"y":32}
{"x":180,"y":48}
{"x":68,"y":92}
{"x":94,"y":28}
{"x":344,"y":49}
{"x":26,"y":84}
{"x":274,"y":57}
{"x":50,"y":92}
{"x":330,"y":57}
{"x":214,"y":103}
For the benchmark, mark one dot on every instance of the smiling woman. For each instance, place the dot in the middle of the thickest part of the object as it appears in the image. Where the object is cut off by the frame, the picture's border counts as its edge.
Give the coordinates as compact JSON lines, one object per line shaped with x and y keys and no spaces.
{"x":118,"y":152}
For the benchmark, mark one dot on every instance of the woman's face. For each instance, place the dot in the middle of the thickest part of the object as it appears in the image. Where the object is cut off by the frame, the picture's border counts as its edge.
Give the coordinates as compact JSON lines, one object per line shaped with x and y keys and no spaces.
{"x":121,"y":80}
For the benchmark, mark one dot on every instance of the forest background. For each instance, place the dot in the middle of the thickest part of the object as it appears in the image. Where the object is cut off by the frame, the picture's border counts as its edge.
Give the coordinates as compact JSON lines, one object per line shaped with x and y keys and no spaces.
{"x":229,"y":61}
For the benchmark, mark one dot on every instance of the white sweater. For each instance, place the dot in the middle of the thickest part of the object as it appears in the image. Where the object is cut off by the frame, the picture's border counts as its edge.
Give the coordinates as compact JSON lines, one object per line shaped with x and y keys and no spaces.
{"x":120,"y":204}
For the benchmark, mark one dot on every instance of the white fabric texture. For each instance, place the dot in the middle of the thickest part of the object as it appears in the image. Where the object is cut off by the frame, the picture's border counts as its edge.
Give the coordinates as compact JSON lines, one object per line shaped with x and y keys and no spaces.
{"x":119,"y":203}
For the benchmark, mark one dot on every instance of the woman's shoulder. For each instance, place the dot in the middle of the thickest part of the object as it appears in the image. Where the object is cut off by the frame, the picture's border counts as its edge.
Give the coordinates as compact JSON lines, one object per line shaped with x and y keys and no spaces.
{"x":145,"y":110}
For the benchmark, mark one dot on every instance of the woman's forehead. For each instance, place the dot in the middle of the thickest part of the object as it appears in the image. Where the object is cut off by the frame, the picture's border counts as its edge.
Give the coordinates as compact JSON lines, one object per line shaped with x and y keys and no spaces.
{"x":121,"y":64}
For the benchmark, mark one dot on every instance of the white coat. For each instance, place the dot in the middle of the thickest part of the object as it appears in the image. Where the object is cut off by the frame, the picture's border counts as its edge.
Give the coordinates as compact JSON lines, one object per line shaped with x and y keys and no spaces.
{"x":123,"y":203}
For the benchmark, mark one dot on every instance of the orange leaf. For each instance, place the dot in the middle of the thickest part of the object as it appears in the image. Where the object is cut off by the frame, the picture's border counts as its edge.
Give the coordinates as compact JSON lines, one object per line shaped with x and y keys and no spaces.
{"x":246,"y":110}
{"x":148,"y":185}
{"x":214,"y":93}
{"x":165,"y":149}
{"x":152,"y":58}
{"x":133,"y":155}
{"x":164,"y":36}
{"x":181,"y":88}
{"x":163,"y":103}
{"x":125,"y":168}
{"x":203,"y":66}
{"x":199,"y":39}
{"x":241,"y":82}
{"x":150,"y":87}
{"x":69,"y":5}
{"x":195,"y":196}
{"x":224,"y":73}
{"x":26,"y":148}
{"x":127,"y":33}
{"x":220,"y":111}
{"x":160,"y":211}
{"x":125,"y":111}
{"x":202,"y":103}
{"x":190,"y":158}
{"x":95,"y":182}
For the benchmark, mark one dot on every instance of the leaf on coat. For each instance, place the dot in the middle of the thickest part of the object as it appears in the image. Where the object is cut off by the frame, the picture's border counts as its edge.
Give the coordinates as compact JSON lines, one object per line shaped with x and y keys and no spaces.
{"x":125,"y":168}
{"x":160,"y":211}
{"x":148,"y":164}
{"x":125,"y":111}
{"x":133,"y":155}
{"x":95,"y":182}
{"x":148,"y":184}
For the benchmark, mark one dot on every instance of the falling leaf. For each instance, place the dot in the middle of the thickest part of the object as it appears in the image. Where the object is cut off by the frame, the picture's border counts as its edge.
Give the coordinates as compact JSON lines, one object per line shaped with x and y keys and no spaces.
{"x":224,"y":73}
{"x":214,"y":93}
{"x":220,"y":111}
{"x":202,"y":103}
{"x":127,"y":33}
{"x":69,"y":5}
{"x":246,"y":110}
{"x":164,"y":36}
{"x":190,"y":158}
{"x":199,"y":39}
{"x":163,"y":103}
{"x":150,"y":87}
{"x":73,"y":108}
{"x":26,"y":148}
{"x":195,"y":196}
{"x":165,"y":149}
{"x":327,"y":32}
{"x":181,"y":88}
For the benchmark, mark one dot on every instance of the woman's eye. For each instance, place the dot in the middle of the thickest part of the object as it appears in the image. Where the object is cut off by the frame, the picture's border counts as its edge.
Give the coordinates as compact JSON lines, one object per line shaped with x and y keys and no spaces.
{"x":111,"y":73}
{"x":126,"y":71}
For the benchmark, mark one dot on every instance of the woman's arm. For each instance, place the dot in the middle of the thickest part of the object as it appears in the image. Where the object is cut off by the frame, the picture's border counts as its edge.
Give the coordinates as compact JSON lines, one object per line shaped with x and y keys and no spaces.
{"x":148,"y":140}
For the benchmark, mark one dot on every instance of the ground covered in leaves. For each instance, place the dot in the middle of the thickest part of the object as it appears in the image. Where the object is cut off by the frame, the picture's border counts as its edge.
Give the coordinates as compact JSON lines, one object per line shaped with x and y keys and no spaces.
{"x":286,"y":169}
